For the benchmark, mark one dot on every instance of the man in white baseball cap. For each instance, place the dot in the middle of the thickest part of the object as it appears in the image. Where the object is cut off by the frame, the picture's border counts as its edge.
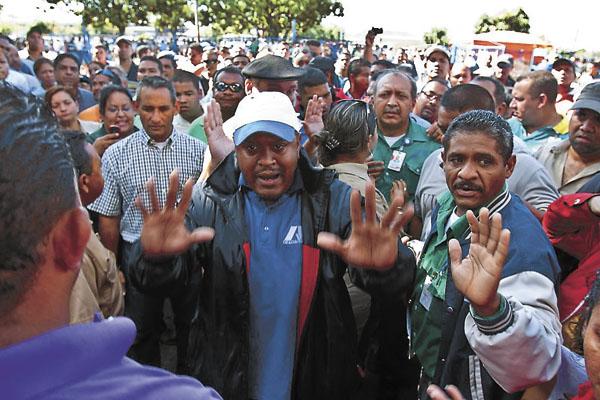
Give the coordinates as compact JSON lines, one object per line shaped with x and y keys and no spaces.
{"x":274,"y":319}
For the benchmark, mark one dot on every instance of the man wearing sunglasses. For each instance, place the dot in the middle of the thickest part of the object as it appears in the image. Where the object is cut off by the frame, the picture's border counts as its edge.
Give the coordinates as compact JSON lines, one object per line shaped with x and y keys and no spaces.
{"x":211,"y":62}
{"x":228,"y":90}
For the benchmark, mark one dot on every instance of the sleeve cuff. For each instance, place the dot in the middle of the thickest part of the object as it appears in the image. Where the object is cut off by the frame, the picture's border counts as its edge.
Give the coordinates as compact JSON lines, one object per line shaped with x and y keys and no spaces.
{"x":496,"y":323}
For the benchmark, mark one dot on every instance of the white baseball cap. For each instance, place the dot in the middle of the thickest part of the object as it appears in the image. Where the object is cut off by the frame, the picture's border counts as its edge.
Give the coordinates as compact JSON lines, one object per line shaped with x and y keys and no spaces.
{"x":270,"y":112}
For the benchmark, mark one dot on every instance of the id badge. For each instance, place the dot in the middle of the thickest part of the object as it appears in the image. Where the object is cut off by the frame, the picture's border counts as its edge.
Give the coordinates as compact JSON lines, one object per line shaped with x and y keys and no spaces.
{"x":397,"y":160}
{"x":426,"y":296}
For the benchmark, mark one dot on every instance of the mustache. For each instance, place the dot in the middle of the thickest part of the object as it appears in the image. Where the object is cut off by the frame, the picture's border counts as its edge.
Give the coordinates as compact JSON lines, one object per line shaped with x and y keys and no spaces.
{"x":467,"y":186}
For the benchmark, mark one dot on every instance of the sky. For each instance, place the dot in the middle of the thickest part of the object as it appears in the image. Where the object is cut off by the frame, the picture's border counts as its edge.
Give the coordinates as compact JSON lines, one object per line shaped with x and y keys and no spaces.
{"x":568,"y":24}
{"x":571,"y":25}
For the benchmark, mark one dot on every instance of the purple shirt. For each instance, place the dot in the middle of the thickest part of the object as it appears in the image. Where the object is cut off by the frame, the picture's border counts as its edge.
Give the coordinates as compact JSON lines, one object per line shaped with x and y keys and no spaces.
{"x":87,"y":361}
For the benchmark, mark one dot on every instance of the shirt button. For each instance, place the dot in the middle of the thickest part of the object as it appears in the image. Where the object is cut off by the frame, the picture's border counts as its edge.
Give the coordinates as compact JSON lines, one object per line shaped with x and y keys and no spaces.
{"x":266,"y":228}
{"x":443,"y":360}
{"x":450,"y":309}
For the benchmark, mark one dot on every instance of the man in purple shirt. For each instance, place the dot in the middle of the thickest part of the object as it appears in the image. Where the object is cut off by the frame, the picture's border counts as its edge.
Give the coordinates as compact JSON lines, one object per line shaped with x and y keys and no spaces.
{"x":44,"y":233}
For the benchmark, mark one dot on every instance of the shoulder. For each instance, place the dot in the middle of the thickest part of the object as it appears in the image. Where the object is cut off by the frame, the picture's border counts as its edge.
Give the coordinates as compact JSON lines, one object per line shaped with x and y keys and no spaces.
{"x":420,"y":139}
{"x":85,"y":93}
{"x":530,"y":248}
{"x":130,"y":380}
{"x":550,"y":150}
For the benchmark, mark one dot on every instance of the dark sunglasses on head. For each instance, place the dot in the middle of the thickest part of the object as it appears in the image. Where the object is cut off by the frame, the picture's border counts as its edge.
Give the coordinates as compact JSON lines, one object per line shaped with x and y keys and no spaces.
{"x":234,"y":87}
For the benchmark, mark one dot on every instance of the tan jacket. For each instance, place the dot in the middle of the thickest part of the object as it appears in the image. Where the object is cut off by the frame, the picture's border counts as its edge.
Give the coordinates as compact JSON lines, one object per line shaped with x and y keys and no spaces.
{"x":98,"y":287}
{"x":356,"y":176}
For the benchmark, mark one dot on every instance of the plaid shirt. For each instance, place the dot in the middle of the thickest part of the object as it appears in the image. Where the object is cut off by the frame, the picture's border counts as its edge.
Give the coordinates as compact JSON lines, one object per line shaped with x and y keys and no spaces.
{"x":128,"y":164}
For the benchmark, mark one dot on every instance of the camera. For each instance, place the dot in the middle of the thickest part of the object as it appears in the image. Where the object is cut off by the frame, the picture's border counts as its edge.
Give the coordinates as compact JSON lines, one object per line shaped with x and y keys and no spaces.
{"x":376,"y":31}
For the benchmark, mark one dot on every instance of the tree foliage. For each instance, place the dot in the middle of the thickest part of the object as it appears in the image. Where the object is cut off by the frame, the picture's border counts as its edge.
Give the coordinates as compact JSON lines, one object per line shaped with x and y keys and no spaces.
{"x":270,"y":18}
{"x":517,"y":21}
{"x":118,"y":14}
{"x":267,"y":17}
{"x":437,"y":36}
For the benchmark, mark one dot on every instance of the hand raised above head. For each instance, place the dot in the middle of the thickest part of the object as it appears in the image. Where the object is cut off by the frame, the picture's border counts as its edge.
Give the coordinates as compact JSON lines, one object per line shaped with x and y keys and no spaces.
{"x":478,"y":275}
{"x":218,"y":143}
{"x":164,"y":232}
{"x":372,"y":244}
{"x":313,"y":116}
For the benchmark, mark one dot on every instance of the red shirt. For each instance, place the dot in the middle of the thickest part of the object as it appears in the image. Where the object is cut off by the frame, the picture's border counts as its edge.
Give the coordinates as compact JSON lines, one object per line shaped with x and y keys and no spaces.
{"x":572,"y":227}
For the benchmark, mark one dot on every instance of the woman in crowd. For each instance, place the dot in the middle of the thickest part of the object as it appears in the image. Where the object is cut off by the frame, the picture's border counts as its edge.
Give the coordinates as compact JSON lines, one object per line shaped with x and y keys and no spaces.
{"x":44,"y":71}
{"x":116,"y":111}
{"x":63,"y":102}
{"x":346,"y":142}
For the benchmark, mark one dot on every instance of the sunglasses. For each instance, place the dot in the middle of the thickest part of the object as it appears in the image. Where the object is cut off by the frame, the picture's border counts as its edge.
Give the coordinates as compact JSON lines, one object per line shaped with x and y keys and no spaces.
{"x":234,"y":87}
{"x":212,"y":61}
{"x":431,"y":96}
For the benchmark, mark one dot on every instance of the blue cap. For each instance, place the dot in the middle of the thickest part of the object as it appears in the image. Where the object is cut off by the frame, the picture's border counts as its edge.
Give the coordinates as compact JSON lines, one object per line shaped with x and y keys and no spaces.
{"x":279,"y":129}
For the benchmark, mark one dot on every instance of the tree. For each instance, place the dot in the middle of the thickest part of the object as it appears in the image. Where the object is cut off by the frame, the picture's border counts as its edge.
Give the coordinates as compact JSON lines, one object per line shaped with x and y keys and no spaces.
{"x":270,"y":18}
{"x":517,"y":21}
{"x":118,"y":14}
{"x":437,"y":36}
{"x":106,"y":14}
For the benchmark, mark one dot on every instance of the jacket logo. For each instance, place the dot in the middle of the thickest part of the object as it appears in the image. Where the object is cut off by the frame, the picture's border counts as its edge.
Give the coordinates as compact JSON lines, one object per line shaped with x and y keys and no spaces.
{"x":294,"y":235}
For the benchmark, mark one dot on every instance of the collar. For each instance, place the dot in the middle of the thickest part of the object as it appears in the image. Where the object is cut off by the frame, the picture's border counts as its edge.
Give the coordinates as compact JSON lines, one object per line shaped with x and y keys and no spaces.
{"x":356,"y":169}
{"x":413,"y":134}
{"x":447,"y":204}
{"x":151,"y":142}
{"x":63,"y":357}
{"x":561,"y":147}
{"x":541,"y":134}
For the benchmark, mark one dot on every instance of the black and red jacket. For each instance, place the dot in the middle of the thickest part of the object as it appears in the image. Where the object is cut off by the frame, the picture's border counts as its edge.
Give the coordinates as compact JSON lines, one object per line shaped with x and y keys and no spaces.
{"x":326,"y":353}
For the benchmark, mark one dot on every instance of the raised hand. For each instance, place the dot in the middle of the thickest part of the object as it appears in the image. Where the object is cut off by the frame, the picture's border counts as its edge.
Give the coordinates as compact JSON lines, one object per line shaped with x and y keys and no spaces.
{"x":436,"y":393}
{"x":313,"y":116}
{"x":164,"y":232}
{"x":371,"y":244}
{"x":477,"y":276}
{"x":219,"y":144}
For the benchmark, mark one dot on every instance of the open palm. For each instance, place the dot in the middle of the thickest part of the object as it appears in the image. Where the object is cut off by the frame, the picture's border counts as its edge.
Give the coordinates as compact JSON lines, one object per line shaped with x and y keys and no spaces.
{"x":164,"y":232}
{"x":371,"y":244}
{"x":478,"y":275}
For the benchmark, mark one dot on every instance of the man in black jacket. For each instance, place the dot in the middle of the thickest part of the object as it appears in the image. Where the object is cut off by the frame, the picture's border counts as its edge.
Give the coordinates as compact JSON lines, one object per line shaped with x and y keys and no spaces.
{"x":274,"y":319}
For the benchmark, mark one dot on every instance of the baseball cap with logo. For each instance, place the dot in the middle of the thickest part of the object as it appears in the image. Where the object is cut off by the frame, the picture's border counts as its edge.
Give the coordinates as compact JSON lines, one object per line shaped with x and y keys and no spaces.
{"x":589,"y":98}
{"x":270,"y":112}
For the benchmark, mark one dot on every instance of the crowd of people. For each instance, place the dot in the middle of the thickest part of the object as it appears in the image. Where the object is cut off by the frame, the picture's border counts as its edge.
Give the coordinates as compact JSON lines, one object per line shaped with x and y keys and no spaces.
{"x":318,"y":223}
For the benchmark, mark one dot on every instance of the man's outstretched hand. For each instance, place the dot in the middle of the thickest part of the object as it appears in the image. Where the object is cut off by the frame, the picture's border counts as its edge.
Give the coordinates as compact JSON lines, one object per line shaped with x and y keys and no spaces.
{"x":164,"y":232}
{"x":477,"y":276}
{"x":371,"y":244}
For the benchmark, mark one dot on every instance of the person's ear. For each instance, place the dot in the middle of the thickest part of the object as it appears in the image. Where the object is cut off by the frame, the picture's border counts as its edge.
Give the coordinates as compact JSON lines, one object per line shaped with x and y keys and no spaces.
{"x":510,"y":165}
{"x":543,"y":99}
{"x":83,"y":183}
{"x":248,"y":86}
{"x":69,"y":238}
